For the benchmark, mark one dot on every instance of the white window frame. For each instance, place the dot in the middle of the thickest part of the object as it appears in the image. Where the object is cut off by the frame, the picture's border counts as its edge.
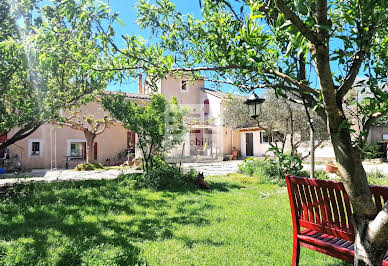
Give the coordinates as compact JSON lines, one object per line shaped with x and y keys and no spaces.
{"x":385,"y":136}
{"x":30,"y":155}
{"x":69,"y":141}
{"x":261,"y":136}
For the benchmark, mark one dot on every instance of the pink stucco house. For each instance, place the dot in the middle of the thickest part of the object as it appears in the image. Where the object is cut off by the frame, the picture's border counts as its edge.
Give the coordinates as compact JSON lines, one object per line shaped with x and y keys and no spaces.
{"x":207,"y":139}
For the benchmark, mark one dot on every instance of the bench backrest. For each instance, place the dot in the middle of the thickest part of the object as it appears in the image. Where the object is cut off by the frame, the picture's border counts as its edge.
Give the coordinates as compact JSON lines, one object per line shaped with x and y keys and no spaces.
{"x":324,"y":206}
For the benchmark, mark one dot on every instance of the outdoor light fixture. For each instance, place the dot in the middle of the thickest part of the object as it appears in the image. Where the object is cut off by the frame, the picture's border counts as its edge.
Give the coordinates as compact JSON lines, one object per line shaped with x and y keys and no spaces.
{"x":254,"y":105}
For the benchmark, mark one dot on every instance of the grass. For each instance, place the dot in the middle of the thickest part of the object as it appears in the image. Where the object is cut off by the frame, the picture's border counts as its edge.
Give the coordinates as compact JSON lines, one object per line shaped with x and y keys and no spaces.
{"x":238,"y":222}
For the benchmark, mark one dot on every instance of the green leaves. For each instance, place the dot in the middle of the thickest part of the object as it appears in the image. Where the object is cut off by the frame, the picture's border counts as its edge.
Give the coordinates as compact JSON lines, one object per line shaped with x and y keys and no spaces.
{"x":159,"y":125}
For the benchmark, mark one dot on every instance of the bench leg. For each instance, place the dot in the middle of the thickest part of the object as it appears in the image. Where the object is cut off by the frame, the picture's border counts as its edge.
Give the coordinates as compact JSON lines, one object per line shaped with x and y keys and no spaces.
{"x":295,"y":252}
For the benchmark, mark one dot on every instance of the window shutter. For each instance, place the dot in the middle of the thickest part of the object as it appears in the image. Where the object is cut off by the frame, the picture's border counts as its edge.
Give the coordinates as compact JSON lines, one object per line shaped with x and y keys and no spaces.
{"x":206,"y":106}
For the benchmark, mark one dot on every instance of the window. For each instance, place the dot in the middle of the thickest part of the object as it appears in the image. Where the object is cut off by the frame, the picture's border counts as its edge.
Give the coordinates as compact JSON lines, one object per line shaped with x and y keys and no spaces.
{"x":184,"y":85}
{"x":206,"y":106}
{"x":385,"y":136}
{"x":131,"y":139}
{"x":35,"y":150}
{"x":264,"y":138}
{"x":77,"y":150}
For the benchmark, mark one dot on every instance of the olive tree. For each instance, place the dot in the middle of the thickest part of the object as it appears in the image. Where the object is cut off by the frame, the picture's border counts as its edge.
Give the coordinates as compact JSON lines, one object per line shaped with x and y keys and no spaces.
{"x":283,"y":121}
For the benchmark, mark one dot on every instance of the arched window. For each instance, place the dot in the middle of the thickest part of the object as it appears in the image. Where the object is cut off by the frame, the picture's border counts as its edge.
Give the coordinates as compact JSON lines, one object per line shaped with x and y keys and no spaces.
{"x":206,"y":106}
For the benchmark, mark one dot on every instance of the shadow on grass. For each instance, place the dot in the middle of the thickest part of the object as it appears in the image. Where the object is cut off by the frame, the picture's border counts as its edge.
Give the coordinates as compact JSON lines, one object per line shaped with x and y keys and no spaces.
{"x":80,"y":218}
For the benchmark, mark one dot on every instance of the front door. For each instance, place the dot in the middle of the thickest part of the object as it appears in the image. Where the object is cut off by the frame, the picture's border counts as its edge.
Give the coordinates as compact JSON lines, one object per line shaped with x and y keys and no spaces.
{"x":249,"y":144}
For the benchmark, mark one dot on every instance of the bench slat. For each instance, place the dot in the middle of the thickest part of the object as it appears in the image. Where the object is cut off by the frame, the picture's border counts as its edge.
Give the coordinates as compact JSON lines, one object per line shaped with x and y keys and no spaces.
{"x":341,"y":209}
{"x":334,"y":208}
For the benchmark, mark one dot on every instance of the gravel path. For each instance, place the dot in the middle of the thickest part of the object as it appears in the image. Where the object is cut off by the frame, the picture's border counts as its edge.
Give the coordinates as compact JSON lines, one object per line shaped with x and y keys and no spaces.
{"x":214,"y":168}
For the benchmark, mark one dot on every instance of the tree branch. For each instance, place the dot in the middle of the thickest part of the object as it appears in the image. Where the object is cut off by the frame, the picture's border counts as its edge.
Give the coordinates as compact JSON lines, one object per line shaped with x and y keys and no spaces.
{"x":297,"y":22}
{"x":351,"y":75}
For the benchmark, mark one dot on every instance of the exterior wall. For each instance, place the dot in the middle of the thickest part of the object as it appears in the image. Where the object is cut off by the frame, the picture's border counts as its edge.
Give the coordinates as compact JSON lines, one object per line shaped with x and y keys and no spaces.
{"x":259,"y":149}
{"x":376,"y":134}
{"x":215,"y":108}
{"x":171,"y":86}
{"x":231,"y":139}
{"x":111,"y":142}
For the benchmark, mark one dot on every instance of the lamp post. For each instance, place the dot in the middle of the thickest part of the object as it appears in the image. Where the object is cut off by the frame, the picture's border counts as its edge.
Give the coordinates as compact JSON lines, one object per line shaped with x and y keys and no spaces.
{"x":254,"y":105}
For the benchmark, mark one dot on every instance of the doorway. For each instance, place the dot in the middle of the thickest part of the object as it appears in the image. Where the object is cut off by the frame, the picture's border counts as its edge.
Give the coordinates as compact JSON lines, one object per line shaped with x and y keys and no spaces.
{"x":249,"y":144}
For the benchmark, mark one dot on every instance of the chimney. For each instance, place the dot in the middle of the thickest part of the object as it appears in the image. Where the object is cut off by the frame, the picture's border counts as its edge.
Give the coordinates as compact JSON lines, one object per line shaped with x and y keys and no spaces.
{"x":140,"y":84}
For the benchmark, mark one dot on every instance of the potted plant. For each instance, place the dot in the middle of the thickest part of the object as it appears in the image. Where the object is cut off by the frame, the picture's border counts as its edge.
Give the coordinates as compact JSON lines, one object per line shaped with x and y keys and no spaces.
{"x":331,"y":167}
{"x":234,"y":153}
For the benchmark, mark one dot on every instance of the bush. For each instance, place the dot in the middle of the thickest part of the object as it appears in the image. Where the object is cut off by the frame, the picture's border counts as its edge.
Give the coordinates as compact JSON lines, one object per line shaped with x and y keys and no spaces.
{"x":370,"y":152}
{"x":164,"y":176}
{"x":88,"y":166}
{"x":321,"y":174}
{"x":273,"y":170}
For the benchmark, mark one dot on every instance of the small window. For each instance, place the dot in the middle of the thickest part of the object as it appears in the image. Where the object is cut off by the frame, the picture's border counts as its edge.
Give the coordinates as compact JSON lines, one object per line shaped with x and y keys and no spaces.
{"x":385,"y":136}
{"x":77,"y":150}
{"x":264,"y":138}
{"x":35,"y":148}
{"x":184,"y":85}
{"x":206,"y":106}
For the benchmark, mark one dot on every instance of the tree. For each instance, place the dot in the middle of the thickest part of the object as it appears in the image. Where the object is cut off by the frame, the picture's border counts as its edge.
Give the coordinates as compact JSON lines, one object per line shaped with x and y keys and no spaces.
{"x":281,"y":120}
{"x":49,"y":56}
{"x":310,"y":52}
{"x":159,"y":125}
{"x":89,"y":125}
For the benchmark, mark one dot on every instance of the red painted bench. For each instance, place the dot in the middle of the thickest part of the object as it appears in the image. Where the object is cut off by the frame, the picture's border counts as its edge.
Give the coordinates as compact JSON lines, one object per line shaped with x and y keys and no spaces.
{"x":321,"y":214}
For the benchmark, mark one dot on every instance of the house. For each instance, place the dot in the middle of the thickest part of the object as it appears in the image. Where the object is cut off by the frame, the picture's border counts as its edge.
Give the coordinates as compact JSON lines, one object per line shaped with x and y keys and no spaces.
{"x":51,"y":146}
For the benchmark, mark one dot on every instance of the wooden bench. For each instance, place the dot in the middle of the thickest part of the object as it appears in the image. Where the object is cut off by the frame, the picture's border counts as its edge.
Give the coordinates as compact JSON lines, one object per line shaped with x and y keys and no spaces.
{"x":323,"y":211}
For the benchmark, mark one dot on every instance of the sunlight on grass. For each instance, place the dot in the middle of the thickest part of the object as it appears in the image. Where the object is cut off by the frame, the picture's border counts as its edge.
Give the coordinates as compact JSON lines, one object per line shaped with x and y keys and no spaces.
{"x":239,"y":221}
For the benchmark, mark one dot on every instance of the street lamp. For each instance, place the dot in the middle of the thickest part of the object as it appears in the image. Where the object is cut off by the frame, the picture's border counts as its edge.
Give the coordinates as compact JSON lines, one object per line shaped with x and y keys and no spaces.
{"x":254,"y":105}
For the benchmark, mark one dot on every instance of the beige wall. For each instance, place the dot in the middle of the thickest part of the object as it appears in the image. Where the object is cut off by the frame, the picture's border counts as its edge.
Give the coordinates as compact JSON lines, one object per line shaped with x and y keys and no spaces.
{"x":111,"y":142}
{"x":171,"y":86}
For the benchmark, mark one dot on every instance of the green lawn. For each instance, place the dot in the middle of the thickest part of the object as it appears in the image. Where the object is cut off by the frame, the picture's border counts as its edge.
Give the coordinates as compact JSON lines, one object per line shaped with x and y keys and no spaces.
{"x":238,"y":222}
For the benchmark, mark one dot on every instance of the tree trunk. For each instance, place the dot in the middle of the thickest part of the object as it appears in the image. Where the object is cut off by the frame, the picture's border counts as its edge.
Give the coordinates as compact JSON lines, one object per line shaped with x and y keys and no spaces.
{"x":89,"y":146}
{"x":367,"y":252}
{"x":371,"y":231}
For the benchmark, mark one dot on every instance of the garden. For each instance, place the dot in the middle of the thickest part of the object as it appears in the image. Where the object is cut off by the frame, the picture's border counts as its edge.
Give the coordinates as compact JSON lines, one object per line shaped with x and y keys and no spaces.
{"x":242,"y":219}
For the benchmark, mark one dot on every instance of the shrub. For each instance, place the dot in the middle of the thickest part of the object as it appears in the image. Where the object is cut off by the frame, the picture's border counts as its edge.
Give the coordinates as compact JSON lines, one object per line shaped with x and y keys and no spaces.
{"x":370,"y":152}
{"x":321,"y":174}
{"x":88,"y":166}
{"x":163,"y":176}
{"x":273,"y":170}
